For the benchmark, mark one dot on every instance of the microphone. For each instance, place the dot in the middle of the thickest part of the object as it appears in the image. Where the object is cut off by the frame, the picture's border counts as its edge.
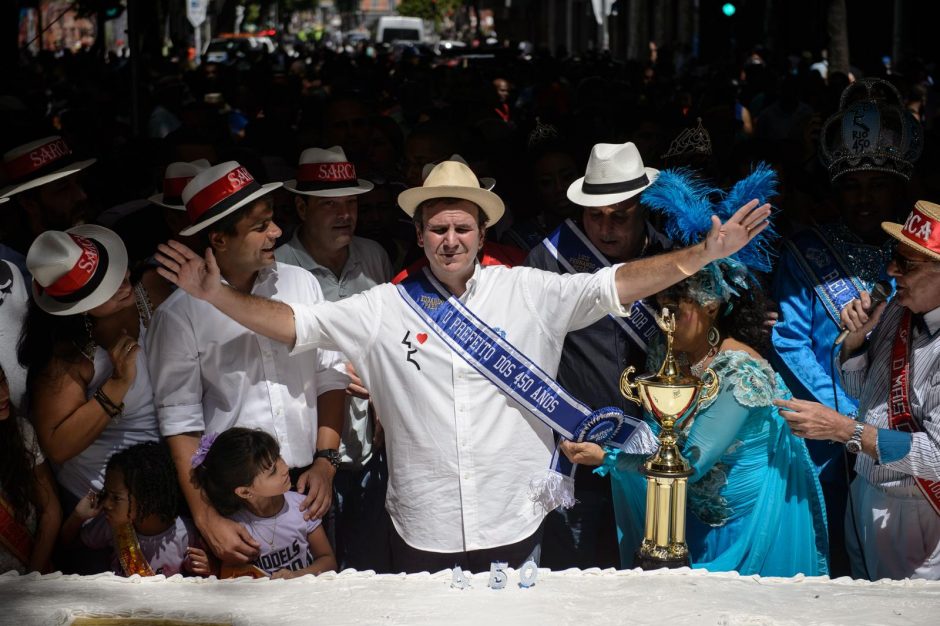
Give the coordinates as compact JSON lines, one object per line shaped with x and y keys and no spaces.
{"x":879,"y":293}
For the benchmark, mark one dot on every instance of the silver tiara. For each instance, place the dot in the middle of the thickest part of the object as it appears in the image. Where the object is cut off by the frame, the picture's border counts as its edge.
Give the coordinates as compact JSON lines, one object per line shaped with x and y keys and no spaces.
{"x":691,"y":141}
{"x":872,"y":131}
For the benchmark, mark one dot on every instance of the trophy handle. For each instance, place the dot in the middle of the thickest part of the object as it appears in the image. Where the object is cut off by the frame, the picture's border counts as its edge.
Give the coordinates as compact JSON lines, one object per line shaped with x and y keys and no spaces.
{"x":628,"y":389}
{"x":710,"y":385}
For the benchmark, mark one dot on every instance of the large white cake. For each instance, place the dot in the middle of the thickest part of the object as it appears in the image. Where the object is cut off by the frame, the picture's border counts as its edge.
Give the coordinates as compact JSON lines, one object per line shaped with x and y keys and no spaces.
{"x":583,"y":598}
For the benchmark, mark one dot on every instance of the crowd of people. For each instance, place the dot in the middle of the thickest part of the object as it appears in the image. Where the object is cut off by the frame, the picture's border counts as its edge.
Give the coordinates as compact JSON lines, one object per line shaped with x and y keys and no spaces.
{"x":369,"y":313}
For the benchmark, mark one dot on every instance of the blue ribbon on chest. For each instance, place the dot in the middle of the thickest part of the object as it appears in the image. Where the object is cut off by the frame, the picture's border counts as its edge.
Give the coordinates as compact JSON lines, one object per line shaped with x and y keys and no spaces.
{"x":575,"y":252}
{"x":517,"y":376}
{"x":834,"y":285}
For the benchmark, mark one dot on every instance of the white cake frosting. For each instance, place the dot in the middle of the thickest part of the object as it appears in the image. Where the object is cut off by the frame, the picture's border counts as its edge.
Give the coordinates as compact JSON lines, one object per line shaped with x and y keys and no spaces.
{"x":586,"y":598}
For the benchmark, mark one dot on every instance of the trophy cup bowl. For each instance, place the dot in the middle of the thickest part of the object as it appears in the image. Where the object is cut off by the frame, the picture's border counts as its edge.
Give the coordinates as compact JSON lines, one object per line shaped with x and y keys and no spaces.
{"x":671,"y":398}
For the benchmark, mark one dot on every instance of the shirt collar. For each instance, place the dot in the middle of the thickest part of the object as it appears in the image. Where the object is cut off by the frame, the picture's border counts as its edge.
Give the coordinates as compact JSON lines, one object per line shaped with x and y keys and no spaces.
{"x":308,"y":263}
{"x":932,"y":319}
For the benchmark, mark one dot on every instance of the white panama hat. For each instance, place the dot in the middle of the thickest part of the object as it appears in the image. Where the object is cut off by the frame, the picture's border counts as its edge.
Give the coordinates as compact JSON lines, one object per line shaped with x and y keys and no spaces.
{"x":77,"y":269}
{"x":614,"y":173}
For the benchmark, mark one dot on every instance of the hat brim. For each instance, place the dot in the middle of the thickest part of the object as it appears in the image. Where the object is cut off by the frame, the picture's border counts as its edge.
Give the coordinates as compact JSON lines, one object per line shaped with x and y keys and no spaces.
{"x":113,"y":277}
{"x":576,"y":195}
{"x":157,"y":199}
{"x":198,"y":226}
{"x":491,"y":204}
{"x":895,"y":231}
{"x":362,"y":186}
{"x":68,"y":170}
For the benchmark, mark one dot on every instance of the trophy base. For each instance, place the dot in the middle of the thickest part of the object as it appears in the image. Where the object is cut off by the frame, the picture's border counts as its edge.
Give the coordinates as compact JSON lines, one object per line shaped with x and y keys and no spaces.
{"x":647,"y":562}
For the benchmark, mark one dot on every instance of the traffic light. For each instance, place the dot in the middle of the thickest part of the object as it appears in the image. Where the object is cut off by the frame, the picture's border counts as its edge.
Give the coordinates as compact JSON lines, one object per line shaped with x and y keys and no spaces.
{"x":729,"y":9}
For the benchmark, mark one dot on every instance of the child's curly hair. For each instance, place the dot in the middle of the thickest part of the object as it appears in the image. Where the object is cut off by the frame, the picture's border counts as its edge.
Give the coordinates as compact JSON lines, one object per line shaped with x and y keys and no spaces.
{"x":150,"y":478}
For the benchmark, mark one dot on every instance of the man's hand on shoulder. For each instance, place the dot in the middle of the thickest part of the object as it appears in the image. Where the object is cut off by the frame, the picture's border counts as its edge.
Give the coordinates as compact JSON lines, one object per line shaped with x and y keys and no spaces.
{"x":199,"y":277}
{"x":317,"y":483}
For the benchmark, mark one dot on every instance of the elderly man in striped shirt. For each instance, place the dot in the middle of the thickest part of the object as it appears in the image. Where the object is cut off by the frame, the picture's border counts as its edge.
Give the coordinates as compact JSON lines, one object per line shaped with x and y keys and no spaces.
{"x":893,"y":522}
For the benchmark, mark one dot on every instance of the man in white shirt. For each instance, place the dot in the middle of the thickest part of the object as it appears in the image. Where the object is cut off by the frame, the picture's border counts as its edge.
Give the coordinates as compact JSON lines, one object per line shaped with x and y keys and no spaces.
{"x":461,"y":453}
{"x":891,"y":363}
{"x":326,"y":193}
{"x":210,"y":373}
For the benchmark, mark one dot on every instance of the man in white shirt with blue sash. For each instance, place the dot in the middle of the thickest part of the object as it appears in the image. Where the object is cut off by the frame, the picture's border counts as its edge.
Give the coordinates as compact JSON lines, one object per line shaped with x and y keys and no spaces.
{"x":613,"y":229}
{"x":460,"y":362}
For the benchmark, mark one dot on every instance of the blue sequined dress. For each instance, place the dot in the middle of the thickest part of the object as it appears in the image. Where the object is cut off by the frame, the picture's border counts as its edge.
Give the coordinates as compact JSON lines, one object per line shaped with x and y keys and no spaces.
{"x":755,"y":505}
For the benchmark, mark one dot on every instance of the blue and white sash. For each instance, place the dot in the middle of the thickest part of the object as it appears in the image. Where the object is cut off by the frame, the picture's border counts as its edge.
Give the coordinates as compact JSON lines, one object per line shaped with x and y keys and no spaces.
{"x":518,"y":377}
{"x":575,"y":252}
{"x":833,"y":283}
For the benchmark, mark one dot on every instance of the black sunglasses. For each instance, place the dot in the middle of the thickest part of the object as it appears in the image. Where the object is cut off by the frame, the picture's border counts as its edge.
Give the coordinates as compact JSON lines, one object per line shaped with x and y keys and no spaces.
{"x":905,"y":264}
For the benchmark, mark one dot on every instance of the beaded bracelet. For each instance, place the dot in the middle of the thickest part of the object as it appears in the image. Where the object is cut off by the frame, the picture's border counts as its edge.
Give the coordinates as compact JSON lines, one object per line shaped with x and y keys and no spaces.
{"x":113,"y":410}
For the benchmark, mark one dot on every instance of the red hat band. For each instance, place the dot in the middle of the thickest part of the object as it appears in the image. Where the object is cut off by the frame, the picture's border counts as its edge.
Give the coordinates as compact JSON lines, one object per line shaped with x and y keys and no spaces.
{"x":317,"y":176}
{"x":923,"y":230}
{"x":37,"y":160}
{"x":86,"y":274}
{"x":173,"y":189}
{"x":221,"y":194}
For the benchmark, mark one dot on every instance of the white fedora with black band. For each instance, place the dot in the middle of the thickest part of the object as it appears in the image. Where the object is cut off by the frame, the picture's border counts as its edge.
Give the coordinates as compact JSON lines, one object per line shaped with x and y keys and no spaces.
{"x":327,"y":173}
{"x":175,"y":179}
{"x":218,"y":191}
{"x":76,"y":270}
{"x":614,"y":173}
{"x":39,"y":162}
{"x":453,"y":179}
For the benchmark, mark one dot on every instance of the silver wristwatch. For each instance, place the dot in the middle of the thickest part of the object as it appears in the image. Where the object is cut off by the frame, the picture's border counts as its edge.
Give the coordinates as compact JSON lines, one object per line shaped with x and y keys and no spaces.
{"x":854,"y":444}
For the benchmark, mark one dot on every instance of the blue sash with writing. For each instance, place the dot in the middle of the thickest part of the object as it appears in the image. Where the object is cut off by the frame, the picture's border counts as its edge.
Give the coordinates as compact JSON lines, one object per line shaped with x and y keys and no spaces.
{"x":521,"y":379}
{"x":833,"y":283}
{"x":575,"y":252}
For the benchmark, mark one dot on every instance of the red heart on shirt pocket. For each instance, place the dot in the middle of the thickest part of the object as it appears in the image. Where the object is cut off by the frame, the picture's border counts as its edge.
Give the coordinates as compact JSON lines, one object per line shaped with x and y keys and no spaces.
{"x":421,"y":337}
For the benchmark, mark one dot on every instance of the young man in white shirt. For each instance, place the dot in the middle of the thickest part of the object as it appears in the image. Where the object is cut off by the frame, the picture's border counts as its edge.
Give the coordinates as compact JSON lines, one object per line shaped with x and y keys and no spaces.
{"x":461,"y":453}
{"x":210,"y":373}
{"x":326,"y":193}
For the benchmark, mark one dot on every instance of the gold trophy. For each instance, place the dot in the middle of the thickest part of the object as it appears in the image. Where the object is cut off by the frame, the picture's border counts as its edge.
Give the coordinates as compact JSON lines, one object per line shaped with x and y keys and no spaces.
{"x":671,"y":398}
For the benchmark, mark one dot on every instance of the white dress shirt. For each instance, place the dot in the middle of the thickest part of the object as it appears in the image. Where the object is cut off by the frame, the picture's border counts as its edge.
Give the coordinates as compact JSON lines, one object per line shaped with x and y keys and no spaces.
{"x":211,"y":373}
{"x":366,"y":267}
{"x":460,"y":452}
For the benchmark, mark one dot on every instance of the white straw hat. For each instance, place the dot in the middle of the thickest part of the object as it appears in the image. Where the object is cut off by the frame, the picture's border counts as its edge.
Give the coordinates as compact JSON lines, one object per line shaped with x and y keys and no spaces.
{"x":76,"y":270}
{"x":614,"y":173}
{"x":218,"y":191}
{"x":39,"y":162}
{"x":327,"y":173}
{"x":175,"y":179}
{"x":453,"y":179}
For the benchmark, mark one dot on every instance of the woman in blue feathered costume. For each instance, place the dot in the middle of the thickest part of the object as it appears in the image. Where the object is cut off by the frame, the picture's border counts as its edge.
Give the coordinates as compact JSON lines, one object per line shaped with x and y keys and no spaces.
{"x":755,"y":505}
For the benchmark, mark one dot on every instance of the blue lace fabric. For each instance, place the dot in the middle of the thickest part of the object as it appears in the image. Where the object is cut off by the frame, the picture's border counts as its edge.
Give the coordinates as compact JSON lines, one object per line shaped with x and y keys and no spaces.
{"x":755,"y":505}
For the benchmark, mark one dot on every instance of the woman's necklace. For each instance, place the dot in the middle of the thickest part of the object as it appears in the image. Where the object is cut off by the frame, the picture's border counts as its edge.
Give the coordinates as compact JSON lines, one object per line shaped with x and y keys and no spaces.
{"x":270,"y":541}
{"x":698,"y":368}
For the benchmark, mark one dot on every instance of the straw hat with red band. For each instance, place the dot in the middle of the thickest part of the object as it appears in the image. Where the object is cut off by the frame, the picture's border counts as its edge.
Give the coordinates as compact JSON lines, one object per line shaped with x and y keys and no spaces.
{"x":921,"y":231}
{"x":328,"y":174}
{"x":218,"y":191}
{"x":453,"y":179}
{"x":37,"y":163}
{"x":76,"y":270}
{"x":177,"y":176}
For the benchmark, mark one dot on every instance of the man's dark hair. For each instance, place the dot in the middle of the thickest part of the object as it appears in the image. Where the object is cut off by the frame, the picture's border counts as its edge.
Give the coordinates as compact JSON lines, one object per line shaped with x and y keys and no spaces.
{"x":228,"y":225}
{"x":418,"y":218}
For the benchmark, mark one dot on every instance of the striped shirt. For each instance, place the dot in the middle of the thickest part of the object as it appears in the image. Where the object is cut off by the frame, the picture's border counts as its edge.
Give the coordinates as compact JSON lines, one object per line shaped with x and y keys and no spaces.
{"x":867,"y":377}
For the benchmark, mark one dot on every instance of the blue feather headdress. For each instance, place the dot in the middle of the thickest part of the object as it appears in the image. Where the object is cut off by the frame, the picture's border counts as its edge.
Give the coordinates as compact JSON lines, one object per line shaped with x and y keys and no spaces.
{"x":688,"y":204}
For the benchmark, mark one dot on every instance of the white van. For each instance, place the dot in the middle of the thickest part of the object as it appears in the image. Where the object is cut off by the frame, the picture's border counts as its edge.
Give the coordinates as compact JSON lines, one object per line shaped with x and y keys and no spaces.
{"x":392,"y":28}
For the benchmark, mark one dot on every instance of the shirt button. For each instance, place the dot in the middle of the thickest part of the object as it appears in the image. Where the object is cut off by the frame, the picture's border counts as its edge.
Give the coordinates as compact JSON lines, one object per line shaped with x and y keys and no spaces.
{"x":466,"y":476}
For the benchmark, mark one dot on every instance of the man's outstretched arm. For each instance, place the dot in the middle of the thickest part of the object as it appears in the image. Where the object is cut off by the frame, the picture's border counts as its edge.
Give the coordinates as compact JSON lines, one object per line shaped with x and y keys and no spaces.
{"x":644,"y":277}
{"x":200,"y":278}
